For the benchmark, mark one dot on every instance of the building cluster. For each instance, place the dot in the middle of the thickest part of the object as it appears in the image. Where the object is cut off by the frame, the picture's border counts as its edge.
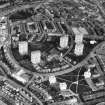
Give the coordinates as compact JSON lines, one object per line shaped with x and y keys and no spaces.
{"x":48,"y":50}
{"x":15,"y":95}
{"x":3,"y":30}
{"x":35,"y":32}
{"x":94,"y":74}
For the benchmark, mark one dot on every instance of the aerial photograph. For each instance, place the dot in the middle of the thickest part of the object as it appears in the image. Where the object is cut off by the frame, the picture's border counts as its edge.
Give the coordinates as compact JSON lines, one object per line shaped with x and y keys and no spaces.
{"x":52,"y":52}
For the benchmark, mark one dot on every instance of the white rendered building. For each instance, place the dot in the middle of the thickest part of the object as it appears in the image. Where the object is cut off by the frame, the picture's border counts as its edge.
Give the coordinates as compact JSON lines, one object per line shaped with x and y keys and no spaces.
{"x":23,"y":47}
{"x":79,"y":49}
{"x":64,"y":40}
{"x":52,"y":79}
{"x":36,"y":57}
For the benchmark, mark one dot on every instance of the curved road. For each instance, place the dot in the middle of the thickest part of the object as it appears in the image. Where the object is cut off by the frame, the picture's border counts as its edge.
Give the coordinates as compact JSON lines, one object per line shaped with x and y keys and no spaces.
{"x":16,"y":65}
